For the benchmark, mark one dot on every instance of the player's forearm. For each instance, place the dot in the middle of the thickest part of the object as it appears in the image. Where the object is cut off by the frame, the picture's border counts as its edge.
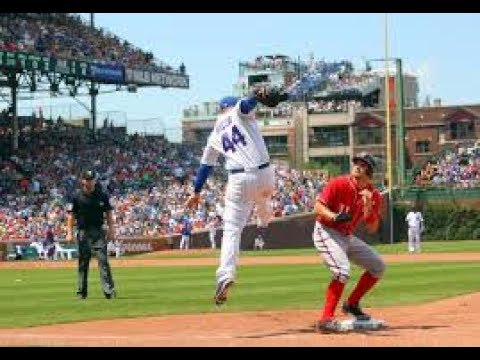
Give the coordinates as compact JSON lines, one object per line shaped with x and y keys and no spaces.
{"x":70,"y":223}
{"x":323,"y":211}
{"x":202,"y":174}
{"x":372,"y":225}
{"x":110,"y":220}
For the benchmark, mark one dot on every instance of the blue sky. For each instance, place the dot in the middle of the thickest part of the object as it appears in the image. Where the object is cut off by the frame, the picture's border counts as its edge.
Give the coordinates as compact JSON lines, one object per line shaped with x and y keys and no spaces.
{"x":442,"y":48}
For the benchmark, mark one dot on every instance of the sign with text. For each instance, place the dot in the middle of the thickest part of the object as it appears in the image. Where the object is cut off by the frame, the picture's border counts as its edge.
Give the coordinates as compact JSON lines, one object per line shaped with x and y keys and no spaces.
{"x":164,"y":79}
{"x":102,"y":73}
{"x":24,"y":61}
{"x":106,"y":73}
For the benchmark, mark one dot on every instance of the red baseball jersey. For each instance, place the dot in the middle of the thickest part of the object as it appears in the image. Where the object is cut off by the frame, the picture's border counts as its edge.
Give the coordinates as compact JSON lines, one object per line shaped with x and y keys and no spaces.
{"x":342,"y":194}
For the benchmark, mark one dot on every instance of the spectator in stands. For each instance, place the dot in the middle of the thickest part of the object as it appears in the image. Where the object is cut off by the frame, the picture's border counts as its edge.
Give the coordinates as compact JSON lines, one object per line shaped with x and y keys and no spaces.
{"x":67,"y":36}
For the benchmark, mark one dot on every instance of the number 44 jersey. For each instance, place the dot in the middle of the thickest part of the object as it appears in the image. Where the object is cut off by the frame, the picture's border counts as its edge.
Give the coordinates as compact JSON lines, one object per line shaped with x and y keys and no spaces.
{"x":239,"y":139}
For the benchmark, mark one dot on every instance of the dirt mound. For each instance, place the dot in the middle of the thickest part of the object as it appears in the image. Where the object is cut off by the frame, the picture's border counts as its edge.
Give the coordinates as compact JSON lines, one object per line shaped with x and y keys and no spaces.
{"x":451,"y":322}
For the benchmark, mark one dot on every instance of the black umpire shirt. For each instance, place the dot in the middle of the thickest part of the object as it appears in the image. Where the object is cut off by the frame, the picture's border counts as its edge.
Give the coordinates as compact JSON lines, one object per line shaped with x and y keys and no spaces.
{"x":88,"y":209}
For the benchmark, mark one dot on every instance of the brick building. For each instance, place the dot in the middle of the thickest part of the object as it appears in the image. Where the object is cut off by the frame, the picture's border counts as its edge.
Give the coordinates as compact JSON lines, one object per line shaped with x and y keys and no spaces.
{"x":334,"y":138}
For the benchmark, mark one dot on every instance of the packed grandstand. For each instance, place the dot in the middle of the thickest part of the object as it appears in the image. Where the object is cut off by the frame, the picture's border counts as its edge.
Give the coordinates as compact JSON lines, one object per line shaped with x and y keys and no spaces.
{"x":149,"y":177}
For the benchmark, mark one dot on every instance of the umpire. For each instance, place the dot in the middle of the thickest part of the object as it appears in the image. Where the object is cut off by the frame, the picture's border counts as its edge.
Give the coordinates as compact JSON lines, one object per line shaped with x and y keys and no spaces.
{"x":87,"y":207}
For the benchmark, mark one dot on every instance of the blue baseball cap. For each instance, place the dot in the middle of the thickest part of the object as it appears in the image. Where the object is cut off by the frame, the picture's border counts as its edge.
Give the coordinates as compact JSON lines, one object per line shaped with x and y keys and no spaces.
{"x":228,"y":101}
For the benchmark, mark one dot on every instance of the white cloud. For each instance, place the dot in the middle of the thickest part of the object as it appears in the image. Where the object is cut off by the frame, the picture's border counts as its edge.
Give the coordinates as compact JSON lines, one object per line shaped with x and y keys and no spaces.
{"x":426,"y":79}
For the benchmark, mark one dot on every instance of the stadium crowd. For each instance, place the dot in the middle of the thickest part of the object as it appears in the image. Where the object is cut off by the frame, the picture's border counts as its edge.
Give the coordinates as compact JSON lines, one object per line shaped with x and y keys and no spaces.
{"x":458,"y":168}
{"x":67,"y":36}
{"x":148,"y":178}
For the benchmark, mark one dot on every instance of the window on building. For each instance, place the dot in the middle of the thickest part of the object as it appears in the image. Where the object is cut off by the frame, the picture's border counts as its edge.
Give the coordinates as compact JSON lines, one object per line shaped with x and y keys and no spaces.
{"x":335,"y":165}
{"x":201,"y":135}
{"x":422,"y":146}
{"x":329,"y":136}
{"x":462,"y":130}
{"x":276,"y":144}
{"x":369,"y":136}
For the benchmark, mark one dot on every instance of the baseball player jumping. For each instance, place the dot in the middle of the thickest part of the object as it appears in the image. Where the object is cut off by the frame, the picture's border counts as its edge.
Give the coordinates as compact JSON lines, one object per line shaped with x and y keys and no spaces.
{"x":251,"y":179}
{"x":342,"y":204}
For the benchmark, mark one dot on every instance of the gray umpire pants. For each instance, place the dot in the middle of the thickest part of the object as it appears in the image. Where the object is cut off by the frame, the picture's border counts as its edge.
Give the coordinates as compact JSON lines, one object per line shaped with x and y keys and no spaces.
{"x":93,"y":240}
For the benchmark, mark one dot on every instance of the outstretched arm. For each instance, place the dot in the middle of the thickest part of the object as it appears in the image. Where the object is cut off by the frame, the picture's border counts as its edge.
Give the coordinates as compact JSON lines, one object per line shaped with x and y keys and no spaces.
{"x":268,"y":96}
{"x":209,"y":157}
{"x":371,"y":210}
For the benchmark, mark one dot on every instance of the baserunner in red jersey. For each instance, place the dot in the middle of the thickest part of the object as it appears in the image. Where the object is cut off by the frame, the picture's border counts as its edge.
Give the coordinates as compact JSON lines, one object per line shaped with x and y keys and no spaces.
{"x":342,"y":204}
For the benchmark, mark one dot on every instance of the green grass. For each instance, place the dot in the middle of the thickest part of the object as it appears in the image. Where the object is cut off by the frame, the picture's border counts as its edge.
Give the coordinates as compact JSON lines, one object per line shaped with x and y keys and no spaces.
{"x":45,"y":296}
{"x":397,"y":248}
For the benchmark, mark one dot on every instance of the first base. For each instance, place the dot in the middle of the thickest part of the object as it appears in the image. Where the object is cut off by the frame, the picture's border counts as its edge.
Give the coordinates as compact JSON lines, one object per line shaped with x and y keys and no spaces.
{"x":354,"y":324}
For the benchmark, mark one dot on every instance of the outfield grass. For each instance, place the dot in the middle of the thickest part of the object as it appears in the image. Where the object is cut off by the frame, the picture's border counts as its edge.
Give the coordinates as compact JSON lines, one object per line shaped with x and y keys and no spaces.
{"x":45,"y":296}
{"x":397,"y":248}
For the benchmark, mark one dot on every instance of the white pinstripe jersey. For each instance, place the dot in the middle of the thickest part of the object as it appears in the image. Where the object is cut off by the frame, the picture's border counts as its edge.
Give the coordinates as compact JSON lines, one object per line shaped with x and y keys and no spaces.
{"x":237,"y":137}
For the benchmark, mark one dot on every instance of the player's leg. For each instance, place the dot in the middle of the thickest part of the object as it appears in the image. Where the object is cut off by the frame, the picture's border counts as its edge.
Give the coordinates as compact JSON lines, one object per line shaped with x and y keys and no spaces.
{"x":84,"y":255}
{"x":100,"y":247}
{"x":212,"y":239}
{"x":236,"y":213}
{"x":411,"y":240}
{"x":262,"y":197}
{"x":417,"y":240}
{"x":366,"y":257}
{"x":236,"y":216}
{"x":332,"y":247}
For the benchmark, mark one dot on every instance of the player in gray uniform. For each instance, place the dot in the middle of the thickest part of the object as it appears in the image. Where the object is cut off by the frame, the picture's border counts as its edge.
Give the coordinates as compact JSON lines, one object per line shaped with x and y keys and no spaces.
{"x":251,"y":180}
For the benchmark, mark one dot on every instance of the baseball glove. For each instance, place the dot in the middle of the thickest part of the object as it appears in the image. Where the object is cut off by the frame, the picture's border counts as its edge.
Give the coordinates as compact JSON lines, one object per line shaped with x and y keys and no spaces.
{"x":342,"y":217}
{"x":269,"y":96}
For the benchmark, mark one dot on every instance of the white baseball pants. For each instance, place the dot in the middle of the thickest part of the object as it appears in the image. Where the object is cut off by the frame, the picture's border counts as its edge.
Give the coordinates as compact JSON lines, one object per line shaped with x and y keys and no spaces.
{"x":244,"y":191}
{"x":414,"y":235}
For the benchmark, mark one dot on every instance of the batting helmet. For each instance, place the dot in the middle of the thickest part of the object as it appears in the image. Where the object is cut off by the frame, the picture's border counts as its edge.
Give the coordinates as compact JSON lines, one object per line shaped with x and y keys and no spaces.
{"x":227,"y":101}
{"x":367,"y":159}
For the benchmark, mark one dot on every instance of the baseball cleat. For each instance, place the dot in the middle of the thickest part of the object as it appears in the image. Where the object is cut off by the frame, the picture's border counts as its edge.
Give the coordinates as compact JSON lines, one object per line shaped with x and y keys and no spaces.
{"x":329,"y":326}
{"x":222,"y":291}
{"x":111,"y":295}
{"x":355,"y":310}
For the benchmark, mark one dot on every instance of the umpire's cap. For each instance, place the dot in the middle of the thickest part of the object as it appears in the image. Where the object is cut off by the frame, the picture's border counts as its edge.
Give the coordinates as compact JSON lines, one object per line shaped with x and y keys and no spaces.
{"x":227,"y":101}
{"x":88,"y":175}
{"x":367,"y":159}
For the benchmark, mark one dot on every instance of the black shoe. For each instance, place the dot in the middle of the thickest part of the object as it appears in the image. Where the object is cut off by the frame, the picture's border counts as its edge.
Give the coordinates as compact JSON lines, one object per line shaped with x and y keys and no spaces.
{"x":81,"y":296}
{"x":356,"y":311}
{"x":221,"y":292}
{"x":112,"y":295}
{"x":330,"y":326}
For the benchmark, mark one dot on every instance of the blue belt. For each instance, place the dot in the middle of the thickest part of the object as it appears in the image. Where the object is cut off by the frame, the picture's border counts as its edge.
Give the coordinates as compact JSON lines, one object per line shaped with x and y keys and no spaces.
{"x":236,"y":171}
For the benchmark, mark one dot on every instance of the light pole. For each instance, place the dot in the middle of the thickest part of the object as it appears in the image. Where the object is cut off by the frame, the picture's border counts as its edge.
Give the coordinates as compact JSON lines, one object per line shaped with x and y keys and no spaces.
{"x":400,"y":128}
{"x":93,"y":92}
{"x":400,"y":118}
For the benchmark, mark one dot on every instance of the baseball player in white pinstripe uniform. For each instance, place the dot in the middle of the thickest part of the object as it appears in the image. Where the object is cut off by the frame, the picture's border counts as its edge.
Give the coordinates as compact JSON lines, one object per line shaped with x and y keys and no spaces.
{"x":251,"y":180}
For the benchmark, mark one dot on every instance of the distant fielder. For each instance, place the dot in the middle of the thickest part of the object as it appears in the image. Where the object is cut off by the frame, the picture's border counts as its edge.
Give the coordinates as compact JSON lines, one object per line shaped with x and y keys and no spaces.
{"x":251,"y":179}
{"x":416,"y":226}
{"x":212,"y":229}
